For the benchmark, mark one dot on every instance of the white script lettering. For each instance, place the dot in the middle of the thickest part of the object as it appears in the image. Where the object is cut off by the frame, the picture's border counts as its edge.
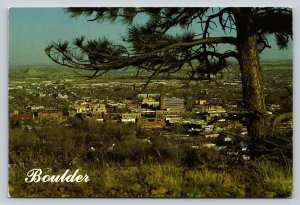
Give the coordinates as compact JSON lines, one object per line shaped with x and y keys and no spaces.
{"x":35,"y":175}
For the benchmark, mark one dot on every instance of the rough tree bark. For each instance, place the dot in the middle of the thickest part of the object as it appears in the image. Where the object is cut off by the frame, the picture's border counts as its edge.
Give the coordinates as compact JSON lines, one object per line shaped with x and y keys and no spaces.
{"x":252,"y":79}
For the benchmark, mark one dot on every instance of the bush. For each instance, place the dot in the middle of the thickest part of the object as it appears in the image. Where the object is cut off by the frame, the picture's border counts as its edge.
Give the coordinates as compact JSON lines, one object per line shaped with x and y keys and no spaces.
{"x":270,"y":179}
{"x":199,"y":157}
{"x":19,"y":138}
{"x":133,"y":149}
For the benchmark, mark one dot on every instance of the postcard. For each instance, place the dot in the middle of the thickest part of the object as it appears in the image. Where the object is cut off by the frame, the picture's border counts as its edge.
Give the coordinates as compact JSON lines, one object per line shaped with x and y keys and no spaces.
{"x":150,"y":102}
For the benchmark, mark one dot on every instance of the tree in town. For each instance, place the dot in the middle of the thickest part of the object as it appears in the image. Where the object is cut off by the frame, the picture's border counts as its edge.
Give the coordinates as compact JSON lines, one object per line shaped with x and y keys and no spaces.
{"x":198,"y":41}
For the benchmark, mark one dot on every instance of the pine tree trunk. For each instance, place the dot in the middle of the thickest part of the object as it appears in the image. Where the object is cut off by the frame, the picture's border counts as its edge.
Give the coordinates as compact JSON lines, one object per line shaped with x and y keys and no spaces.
{"x":252,"y":80}
{"x":253,"y":89}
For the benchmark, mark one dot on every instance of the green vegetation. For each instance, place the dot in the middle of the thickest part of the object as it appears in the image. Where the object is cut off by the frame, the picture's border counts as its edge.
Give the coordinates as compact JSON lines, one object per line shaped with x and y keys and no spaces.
{"x":141,"y":164}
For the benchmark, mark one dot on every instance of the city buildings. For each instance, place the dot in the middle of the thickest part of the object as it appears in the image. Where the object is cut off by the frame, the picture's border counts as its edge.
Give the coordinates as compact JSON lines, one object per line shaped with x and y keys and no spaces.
{"x":151,"y":122}
{"x":171,"y":103}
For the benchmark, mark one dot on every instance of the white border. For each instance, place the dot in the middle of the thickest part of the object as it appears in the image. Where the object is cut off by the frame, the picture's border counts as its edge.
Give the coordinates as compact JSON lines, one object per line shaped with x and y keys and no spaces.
{"x":139,"y":3}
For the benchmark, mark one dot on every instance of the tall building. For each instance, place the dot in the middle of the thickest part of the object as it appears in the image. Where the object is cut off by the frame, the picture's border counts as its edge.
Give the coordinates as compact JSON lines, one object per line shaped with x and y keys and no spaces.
{"x":171,"y":103}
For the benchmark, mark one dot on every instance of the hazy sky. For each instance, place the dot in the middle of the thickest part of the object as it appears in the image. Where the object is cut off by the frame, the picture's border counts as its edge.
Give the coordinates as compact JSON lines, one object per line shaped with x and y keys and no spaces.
{"x":32,"y":29}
